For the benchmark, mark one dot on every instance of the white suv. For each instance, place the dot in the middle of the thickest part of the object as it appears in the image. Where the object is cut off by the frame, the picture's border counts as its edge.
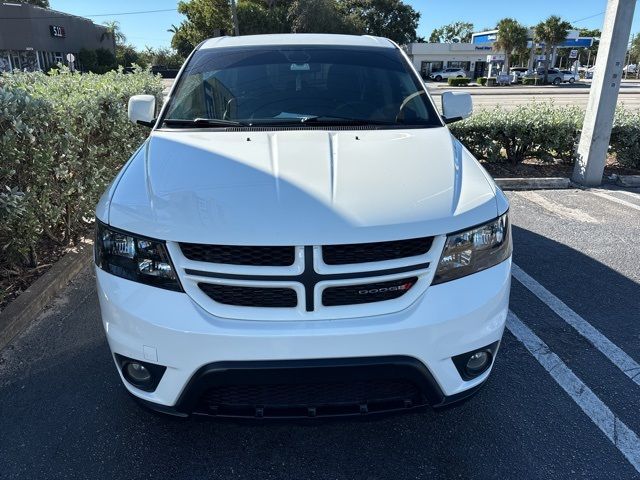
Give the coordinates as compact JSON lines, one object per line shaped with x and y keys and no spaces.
{"x":301,"y":236}
{"x":447,"y":73}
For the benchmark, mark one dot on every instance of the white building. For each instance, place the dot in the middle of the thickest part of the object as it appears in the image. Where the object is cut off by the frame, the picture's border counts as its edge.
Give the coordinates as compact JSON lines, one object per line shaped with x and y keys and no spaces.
{"x":429,"y":57}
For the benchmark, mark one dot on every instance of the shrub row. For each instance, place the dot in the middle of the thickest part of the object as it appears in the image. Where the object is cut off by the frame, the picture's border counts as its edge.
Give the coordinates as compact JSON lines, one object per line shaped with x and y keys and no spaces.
{"x":458,"y":82}
{"x":543,"y":131}
{"x":62,"y":138}
{"x":481,"y":81}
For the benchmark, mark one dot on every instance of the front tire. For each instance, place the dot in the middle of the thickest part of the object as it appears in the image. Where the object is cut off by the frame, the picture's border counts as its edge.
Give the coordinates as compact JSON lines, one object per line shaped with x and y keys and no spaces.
{"x":438,"y":78}
{"x":557,"y":81}
{"x":572,"y":80}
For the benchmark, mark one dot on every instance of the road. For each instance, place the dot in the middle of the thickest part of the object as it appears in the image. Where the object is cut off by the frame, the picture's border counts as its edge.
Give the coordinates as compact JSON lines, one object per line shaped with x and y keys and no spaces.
{"x":562,"y":402}
{"x":510,"y":97}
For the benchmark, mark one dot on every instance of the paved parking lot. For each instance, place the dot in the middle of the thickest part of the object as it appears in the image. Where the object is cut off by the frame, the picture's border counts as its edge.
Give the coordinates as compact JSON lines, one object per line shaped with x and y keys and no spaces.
{"x":562,"y":402}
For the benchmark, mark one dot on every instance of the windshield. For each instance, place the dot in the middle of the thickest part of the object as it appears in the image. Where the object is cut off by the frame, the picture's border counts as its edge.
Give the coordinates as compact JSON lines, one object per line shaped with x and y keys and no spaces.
{"x":299,"y":84}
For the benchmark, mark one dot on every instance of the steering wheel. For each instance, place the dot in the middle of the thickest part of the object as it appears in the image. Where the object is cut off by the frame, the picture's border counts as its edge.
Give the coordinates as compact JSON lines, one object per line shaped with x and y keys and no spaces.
{"x":407,"y":101}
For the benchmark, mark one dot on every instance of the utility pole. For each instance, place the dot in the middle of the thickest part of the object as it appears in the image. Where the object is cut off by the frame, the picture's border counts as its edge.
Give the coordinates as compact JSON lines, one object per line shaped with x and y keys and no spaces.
{"x":234,"y":13}
{"x":598,"y":120}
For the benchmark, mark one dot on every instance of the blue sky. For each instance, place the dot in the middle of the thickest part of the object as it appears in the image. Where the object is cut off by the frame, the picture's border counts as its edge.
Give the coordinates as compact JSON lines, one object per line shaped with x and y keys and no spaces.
{"x":151,"y":28}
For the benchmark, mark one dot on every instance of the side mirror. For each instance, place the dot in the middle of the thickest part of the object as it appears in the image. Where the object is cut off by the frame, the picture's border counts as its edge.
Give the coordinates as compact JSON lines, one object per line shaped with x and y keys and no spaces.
{"x":456,"y":106}
{"x":142,"y":109}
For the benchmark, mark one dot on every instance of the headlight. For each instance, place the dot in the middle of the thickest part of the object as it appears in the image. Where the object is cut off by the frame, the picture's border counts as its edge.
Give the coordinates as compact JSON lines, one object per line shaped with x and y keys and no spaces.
{"x":474,"y":250}
{"x":135,"y":258}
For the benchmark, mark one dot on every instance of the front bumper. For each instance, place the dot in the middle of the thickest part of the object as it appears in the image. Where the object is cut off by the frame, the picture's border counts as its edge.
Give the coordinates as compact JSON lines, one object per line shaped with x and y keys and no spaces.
{"x":168,"y":328}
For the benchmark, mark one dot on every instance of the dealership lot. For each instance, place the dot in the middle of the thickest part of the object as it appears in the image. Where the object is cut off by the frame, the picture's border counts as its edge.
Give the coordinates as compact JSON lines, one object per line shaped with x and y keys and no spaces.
{"x":514,"y":95}
{"x":562,"y":401}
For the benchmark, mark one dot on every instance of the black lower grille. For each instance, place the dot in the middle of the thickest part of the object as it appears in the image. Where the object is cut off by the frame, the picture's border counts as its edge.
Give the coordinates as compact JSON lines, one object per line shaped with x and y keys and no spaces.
{"x":375,"y":252}
{"x":240,"y":255}
{"x":250,"y":296}
{"x":311,"y":399}
{"x":367,"y":293}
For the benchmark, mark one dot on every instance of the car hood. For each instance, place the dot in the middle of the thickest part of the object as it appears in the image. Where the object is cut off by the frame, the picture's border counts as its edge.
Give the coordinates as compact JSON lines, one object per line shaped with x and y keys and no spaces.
{"x":301,"y":187}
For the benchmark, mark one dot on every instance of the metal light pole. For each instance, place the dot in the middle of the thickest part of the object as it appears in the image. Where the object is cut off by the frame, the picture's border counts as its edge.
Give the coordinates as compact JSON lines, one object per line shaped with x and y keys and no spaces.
{"x":598,"y":120}
{"x":234,"y":13}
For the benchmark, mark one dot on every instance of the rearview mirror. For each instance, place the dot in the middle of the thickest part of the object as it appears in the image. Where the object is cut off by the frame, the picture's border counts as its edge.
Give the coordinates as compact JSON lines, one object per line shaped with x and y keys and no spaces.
{"x":456,"y":106}
{"x":142,"y":109}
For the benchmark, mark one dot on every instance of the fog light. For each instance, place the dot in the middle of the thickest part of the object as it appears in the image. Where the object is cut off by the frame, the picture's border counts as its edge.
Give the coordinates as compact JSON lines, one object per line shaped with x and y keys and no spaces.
{"x":478,"y":362}
{"x":143,"y":375}
{"x":474,"y":363}
{"x":138,"y":374}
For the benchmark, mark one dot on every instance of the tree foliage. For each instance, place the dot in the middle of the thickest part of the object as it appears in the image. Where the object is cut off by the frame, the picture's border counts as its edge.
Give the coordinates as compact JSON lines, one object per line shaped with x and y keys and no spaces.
{"x":206,"y":18}
{"x":37,"y":3}
{"x":452,"y":33}
{"x":551,"y":32}
{"x":392,"y":19}
{"x":511,"y":38}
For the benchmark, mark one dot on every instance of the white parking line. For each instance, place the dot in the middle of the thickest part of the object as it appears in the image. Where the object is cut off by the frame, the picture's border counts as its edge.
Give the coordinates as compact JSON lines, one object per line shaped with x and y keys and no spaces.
{"x":600,"y":193}
{"x":615,"y":354}
{"x":625,"y":439}
{"x":576,"y":214}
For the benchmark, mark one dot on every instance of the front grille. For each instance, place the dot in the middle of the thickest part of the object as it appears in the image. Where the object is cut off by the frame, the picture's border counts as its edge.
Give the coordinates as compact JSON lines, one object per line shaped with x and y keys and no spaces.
{"x":375,"y":252}
{"x":367,"y":293}
{"x":311,"y":399}
{"x":240,"y":255}
{"x":251,"y":296}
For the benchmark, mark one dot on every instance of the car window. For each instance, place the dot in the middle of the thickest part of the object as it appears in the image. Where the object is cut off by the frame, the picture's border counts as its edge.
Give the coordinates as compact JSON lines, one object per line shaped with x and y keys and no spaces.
{"x":274,"y":83}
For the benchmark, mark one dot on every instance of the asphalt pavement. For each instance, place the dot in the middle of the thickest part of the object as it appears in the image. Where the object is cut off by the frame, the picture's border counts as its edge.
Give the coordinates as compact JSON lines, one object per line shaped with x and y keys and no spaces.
{"x":562,"y":401}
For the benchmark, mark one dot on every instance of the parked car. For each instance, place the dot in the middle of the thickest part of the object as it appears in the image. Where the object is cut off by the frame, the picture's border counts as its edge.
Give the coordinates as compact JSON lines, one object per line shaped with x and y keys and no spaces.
{"x":301,"y":236}
{"x":631,"y":68}
{"x":440,"y":75}
{"x":554,"y":76}
{"x":569,"y":76}
{"x":519,"y":72}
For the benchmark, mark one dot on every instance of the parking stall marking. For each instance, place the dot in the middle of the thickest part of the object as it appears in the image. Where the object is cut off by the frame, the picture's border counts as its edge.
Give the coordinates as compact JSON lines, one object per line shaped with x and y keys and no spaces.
{"x":600,"y":193}
{"x":624,"y":439}
{"x":615,"y":354}
{"x":557,"y":209}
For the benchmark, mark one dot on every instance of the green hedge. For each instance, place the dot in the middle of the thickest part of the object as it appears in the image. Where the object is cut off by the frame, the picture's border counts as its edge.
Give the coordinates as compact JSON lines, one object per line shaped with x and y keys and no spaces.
{"x":458,"y":82}
{"x":481,"y":81}
{"x":543,"y":131}
{"x":63,"y":136}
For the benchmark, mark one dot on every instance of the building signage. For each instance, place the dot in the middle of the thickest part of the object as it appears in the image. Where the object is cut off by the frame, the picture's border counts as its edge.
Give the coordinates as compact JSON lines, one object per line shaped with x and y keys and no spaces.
{"x":57,"y":31}
{"x":573,"y":54}
{"x":483,"y":48}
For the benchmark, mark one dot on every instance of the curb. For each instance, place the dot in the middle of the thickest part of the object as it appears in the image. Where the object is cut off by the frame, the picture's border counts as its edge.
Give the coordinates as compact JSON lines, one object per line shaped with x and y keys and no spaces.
{"x":628,"y":180}
{"x":551,"y":183}
{"x":21,"y":311}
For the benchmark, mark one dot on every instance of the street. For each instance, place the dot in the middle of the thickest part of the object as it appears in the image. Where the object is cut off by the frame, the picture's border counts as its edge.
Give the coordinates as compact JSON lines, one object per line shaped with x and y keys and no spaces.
{"x":510,"y":97}
{"x":562,"y":401}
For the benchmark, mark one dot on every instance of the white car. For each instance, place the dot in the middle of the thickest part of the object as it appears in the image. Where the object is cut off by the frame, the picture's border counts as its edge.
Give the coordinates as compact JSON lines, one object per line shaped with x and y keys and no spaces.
{"x":569,"y":76}
{"x":440,"y":75}
{"x":301,"y":236}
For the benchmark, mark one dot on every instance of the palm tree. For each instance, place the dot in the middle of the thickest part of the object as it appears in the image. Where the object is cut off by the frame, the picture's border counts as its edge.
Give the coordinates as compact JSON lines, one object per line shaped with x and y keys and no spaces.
{"x":551,"y":32}
{"x":512,"y":37}
{"x":115,"y":32}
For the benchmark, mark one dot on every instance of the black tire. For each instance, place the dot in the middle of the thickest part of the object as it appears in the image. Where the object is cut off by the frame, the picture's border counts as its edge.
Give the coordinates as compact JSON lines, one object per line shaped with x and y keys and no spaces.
{"x":571,"y":80}
{"x":557,"y":81}
{"x":459,"y":76}
{"x":438,"y":78}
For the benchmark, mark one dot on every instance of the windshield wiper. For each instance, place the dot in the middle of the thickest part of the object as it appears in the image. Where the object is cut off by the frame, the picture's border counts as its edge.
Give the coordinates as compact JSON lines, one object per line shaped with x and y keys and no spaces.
{"x":204,"y":122}
{"x":333,"y":120}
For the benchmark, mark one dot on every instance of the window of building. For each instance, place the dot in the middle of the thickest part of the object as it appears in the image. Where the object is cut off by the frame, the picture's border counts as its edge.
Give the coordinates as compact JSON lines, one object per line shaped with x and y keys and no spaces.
{"x":457,"y":64}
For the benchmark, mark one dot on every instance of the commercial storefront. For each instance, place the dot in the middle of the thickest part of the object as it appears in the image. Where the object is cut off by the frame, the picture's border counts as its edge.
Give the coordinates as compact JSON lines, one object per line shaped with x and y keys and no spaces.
{"x":429,"y":57}
{"x":34,"y":38}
